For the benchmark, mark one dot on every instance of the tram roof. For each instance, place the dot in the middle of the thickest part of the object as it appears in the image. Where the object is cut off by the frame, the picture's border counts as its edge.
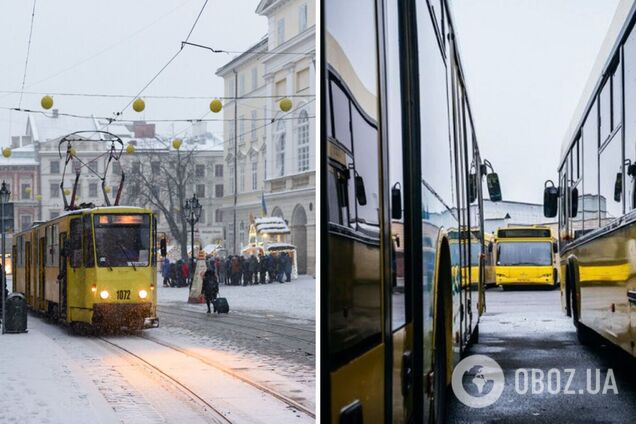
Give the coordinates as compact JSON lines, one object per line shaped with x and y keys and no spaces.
{"x":97,"y":209}
{"x":620,"y":22}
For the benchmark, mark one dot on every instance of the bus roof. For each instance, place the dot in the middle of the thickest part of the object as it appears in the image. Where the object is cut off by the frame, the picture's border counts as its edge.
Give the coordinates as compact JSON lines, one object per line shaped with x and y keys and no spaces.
{"x":624,"y":11}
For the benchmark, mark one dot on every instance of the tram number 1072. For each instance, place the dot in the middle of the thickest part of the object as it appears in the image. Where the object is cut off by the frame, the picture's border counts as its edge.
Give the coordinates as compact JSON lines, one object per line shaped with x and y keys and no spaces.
{"x":123,"y":294}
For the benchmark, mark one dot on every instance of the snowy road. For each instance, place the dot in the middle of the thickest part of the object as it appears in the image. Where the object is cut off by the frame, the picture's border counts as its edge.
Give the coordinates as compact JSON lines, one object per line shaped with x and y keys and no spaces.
{"x":250,"y":366}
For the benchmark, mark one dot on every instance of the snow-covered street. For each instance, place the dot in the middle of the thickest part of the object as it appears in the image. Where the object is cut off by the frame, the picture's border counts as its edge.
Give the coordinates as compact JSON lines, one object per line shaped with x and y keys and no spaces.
{"x":253,"y":365}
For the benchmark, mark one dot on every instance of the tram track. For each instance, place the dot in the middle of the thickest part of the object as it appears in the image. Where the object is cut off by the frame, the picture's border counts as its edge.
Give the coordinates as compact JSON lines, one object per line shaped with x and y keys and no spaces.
{"x":303,"y":337}
{"x":295,"y":405}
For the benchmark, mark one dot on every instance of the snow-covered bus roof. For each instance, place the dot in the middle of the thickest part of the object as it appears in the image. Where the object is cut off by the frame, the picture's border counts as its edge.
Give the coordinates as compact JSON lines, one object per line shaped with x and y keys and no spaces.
{"x":616,"y":31}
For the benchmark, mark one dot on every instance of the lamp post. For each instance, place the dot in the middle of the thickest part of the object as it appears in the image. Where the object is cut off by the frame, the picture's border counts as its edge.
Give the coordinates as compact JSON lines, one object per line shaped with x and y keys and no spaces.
{"x":192,"y":209}
{"x":4,"y":198}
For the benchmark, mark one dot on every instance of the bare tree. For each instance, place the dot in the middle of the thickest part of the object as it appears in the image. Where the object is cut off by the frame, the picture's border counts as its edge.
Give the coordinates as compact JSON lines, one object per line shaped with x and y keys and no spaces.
{"x":159,"y":179}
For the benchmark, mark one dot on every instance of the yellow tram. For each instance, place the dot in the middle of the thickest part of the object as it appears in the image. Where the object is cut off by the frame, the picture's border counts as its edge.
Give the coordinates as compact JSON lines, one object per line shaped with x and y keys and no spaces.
{"x":91,"y":267}
{"x":402,"y":176}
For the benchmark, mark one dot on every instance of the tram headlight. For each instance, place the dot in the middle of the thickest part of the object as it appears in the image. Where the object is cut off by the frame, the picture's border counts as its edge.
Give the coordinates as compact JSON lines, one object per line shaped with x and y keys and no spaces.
{"x":143,"y":294}
{"x":104,"y":294}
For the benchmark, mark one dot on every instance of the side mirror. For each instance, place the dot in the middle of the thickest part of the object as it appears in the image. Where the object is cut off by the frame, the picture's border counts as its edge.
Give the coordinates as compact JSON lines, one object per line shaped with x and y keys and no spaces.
{"x":472,"y":188}
{"x":574,"y":202}
{"x":163,"y":248}
{"x":66,"y":248}
{"x":555,"y":249}
{"x":490,"y":247}
{"x":396,"y":201}
{"x":494,"y":190}
{"x":618,"y":187}
{"x":361,"y":195}
{"x":550,"y":200}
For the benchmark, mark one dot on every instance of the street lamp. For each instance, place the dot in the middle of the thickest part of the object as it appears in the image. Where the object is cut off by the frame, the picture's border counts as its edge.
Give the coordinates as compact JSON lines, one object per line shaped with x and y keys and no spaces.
{"x":192,"y":210}
{"x":4,"y":198}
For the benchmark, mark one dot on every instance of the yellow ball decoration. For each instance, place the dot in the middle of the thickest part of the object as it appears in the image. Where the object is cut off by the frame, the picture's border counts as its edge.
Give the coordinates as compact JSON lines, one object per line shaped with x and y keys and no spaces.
{"x":46,"y":102}
{"x":6,"y":152}
{"x":72,"y":151}
{"x":130,"y":149}
{"x":28,"y":190}
{"x":216,"y":105}
{"x":176,"y":143}
{"x":38,"y":197}
{"x":285,"y":104}
{"x":139,"y":105}
{"x":67,"y":191}
{"x":107,"y":189}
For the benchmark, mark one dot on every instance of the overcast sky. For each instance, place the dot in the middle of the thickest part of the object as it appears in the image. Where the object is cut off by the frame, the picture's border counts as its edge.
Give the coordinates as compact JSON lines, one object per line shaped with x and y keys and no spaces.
{"x":526,"y":64}
{"x":115,"y":47}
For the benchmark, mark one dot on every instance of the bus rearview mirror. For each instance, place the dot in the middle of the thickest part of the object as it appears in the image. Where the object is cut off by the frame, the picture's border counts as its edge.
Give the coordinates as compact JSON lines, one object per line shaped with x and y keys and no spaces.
{"x":361,"y":195}
{"x":163,"y":248}
{"x":574,"y":202}
{"x":618,"y":187}
{"x":550,"y":200}
{"x":396,"y":201}
{"x":494,"y":190}
{"x":472,"y":188}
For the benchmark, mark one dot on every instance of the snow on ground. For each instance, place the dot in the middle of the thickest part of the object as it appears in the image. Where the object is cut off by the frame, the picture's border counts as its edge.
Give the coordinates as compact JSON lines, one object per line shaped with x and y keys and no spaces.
{"x":296,"y":299}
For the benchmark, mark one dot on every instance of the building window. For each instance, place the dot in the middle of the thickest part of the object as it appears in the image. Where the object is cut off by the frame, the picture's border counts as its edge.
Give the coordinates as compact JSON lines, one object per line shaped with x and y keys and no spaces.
{"x":302,"y":80}
{"x":253,"y":130}
{"x":25,"y":222}
{"x":199,"y":170}
{"x":218,"y":191}
{"x":302,"y":18}
{"x":25,"y":191}
{"x":92,"y":190}
{"x":218,"y":170}
{"x":230,"y":87}
{"x":54,"y":214}
{"x":241,"y":232}
{"x":54,"y":190}
{"x":280,"y":148}
{"x":201,"y":191}
{"x":241,"y":84}
{"x":218,"y":215}
{"x":241,"y":128}
{"x":155,"y":166}
{"x":254,"y":175}
{"x":281,"y":31}
{"x":254,"y":78}
{"x":242,"y":178}
{"x":302,"y":132}
{"x":55,"y":166}
{"x":231,"y":177}
{"x":265,"y":168}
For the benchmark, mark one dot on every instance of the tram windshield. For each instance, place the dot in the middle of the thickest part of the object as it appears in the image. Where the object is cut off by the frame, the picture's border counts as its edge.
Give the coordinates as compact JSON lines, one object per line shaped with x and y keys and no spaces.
{"x":122,"y":240}
{"x":524,"y":253}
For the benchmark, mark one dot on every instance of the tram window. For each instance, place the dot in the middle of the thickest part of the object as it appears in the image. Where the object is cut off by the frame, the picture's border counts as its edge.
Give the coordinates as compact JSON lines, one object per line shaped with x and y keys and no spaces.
{"x":340,"y":104}
{"x":365,"y":140}
{"x":617,"y":97}
{"x":76,"y":243}
{"x":336,"y":203}
{"x":610,"y":168}
{"x":89,"y":252}
{"x":589,"y":198}
{"x":605,"y":112}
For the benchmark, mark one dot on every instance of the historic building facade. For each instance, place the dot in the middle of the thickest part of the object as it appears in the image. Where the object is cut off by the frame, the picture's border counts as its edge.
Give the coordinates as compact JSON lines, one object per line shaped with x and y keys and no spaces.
{"x":279,"y":157}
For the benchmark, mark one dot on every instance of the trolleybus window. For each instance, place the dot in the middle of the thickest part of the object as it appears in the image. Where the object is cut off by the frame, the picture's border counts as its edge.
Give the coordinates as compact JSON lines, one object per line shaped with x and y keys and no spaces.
{"x":611,"y":168}
{"x":590,"y":200}
{"x":629,"y":68}
{"x":89,"y":252}
{"x":76,"y":243}
{"x":524,"y":253}
{"x":122,"y":240}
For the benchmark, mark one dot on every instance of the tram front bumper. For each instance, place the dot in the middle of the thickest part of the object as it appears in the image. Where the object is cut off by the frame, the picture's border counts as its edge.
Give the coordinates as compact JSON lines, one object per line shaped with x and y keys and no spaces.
{"x":117,"y":315}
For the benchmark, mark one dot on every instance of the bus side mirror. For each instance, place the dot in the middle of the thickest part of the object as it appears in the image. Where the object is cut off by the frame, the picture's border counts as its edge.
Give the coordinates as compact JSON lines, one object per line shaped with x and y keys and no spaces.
{"x":555,"y":249}
{"x":550,"y":200}
{"x":494,"y":190}
{"x":396,"y":201}
{"x":574,"y":202}
{"x":163,"y":248}
{"x":361,"y":195}
{"x":618,"y":187}
{"x":472,"y":187}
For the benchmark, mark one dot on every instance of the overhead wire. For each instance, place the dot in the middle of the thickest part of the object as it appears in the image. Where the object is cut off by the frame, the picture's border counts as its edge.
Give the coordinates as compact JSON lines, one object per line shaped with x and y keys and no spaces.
{"x":26,"y":62}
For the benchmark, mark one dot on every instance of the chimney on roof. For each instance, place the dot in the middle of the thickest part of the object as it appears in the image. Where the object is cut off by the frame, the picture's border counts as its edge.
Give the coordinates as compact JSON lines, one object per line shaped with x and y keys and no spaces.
{"x":55,"y":113}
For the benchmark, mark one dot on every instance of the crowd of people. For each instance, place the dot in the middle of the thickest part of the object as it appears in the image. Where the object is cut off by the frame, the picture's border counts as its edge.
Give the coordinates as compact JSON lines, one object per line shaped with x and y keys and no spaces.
{"x":234,"y":270}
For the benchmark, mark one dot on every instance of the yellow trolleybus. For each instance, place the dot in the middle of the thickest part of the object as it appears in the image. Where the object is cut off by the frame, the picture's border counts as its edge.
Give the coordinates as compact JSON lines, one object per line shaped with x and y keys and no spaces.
{"x":525,"y":256}
{"x":402,"y":172}
{"x":595,"y":195}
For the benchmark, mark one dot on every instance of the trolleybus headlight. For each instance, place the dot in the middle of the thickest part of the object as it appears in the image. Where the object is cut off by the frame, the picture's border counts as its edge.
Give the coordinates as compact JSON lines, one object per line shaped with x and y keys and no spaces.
{"x":143,"y":294}
{"x":104,"y":294}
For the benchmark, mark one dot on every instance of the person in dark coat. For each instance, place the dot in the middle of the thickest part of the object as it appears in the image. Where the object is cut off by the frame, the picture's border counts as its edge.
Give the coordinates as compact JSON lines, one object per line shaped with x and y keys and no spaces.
{"x":276,"y":268}
{"x":287,"y":266}
{"x":210,"y":287}
{"x":243,"y":279}
{"x":228,"y":269}
{"x":252,"y":266}
{"x":165,"y":271}
{"x":185,"y":273}
{"x":173,"y":275}
{"x":236,"y":271}
{"x":262,"y":267}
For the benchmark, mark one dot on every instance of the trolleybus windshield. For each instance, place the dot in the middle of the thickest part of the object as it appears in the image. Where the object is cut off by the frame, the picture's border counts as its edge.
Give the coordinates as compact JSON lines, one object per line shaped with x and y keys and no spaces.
{"x":524,"y":253}
{"x":122,"y":240}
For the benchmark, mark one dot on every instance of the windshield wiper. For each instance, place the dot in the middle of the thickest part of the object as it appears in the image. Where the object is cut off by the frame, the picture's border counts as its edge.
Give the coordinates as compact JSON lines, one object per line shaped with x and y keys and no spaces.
{"x":104,"y":260}
{"x":126,"y":255}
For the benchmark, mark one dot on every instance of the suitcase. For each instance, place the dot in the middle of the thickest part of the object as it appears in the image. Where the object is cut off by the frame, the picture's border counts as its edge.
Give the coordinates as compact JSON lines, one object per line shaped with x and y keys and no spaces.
{"x":221,"y":306}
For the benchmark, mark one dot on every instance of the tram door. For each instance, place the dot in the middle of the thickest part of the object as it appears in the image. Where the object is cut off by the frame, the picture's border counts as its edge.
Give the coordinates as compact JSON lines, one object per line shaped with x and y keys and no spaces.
{"x":41,"y":274}
{"x":27,"y":272}
{"x":399,"y":287}
{"x":62,"y":280}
